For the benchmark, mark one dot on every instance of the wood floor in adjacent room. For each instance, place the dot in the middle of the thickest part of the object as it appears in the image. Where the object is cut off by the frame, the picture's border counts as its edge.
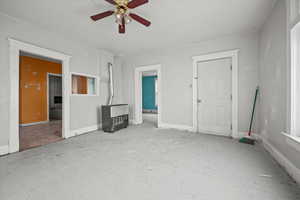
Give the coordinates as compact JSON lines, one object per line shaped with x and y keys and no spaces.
{"x":39,"y":135}
{"x":145,"y":163}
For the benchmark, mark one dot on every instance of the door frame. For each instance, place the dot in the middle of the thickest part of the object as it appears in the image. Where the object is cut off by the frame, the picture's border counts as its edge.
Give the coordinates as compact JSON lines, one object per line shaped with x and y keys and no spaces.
{"x":48,"y":76}
{"x":233,"y":55}
{"x":15,"y":47}
{"x":138,"y":117}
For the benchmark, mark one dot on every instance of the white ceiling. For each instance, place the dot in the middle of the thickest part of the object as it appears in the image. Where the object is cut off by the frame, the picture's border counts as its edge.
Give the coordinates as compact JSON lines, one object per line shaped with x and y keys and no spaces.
{"x":174,"y":22}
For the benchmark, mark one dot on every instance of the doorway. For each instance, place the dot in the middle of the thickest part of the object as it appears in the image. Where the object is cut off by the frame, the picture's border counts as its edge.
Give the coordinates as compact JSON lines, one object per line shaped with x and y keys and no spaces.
{"x":40,"y":101}
{"x":54,"y":97}
{"x":214,"y":97}
{"x":16,"y":48}
{"x":148,"y":95}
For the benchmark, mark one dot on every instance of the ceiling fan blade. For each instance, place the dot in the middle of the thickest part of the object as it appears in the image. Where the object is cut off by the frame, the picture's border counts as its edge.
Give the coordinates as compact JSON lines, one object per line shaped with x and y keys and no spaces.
{"x":136,"y":3}
{"x":122,"y":27}
{"x":102,"y":15}
{"x":140,"y":19}
{"x":111,"y":2}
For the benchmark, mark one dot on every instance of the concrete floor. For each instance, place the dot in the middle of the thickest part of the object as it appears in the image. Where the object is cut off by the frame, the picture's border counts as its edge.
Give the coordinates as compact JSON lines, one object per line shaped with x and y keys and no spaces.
{"x":41,"y":134}
{"x":150,"y":118}
{"x":144,"y":163}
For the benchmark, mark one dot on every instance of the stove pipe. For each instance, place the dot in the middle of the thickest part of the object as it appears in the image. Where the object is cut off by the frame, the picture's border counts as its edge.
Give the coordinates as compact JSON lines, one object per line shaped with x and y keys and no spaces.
{"x":111,"y":84}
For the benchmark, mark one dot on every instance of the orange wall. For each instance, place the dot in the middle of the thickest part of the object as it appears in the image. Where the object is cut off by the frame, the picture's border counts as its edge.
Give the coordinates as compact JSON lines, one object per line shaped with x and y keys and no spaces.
{"x":33,"y":88}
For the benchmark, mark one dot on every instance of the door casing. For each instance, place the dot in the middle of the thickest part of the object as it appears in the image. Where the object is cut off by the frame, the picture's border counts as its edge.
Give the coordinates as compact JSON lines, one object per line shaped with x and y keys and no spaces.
{"x":15,"y":47}
{"x":233,"y":54}
{"x":138,"y":118}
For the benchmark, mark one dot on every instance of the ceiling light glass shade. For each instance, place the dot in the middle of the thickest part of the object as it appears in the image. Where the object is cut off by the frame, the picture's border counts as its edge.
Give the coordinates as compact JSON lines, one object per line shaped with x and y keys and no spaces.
{"x":119,"y":21}
{"x":127,"y":19}
{"x":119,"y":18}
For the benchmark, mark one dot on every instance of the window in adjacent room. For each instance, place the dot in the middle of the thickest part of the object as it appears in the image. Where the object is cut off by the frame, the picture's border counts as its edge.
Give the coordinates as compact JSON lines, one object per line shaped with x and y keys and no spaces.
{"x":84,"y":85}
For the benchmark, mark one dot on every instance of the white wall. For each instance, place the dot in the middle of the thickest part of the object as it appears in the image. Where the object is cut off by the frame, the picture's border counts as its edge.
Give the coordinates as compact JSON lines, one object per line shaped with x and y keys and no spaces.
{"x":85,"y":59}
{"x":274,"y":78}
{"x":177,"y":76}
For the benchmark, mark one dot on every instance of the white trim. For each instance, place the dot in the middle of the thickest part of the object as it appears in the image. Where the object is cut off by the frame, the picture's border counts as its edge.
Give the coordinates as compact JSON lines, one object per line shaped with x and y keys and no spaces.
{"x":233,"y":54}
{"x":291,"y":169}
{"x":292,"y":141}
{"x":3,"y":150}
{"x":177,"y":127}
{"x":132,"y":122}
{"x":97,"y":82}
{"x":86,"y":129}
{"x":288,"y":74}
{"x":138,"y":117}
{"x":48,"y":75}
{"x":294,"y":22}
{"x":15,"y":47}
{"x":34,"y":123}
{"x":294,"y":82}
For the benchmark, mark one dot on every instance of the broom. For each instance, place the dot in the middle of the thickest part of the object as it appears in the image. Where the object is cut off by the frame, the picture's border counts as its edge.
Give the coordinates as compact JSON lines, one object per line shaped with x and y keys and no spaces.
{"x":248,"y":139}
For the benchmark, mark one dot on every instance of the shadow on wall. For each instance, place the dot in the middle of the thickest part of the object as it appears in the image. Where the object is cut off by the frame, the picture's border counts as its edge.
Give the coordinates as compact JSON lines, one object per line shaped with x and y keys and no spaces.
{"x":99,"y":118}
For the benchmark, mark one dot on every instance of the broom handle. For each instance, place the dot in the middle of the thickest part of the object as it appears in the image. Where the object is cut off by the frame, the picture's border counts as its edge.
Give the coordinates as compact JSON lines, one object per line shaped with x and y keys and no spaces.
{"x":253,"y":110}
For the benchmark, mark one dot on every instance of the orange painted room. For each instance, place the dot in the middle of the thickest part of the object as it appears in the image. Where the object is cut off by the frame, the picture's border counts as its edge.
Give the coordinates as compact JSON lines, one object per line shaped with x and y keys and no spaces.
{"x":37,"y":124}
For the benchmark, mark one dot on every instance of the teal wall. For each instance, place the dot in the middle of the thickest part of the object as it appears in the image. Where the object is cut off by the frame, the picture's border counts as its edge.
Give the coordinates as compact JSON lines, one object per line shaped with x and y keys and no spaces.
{"x":149,"y":92}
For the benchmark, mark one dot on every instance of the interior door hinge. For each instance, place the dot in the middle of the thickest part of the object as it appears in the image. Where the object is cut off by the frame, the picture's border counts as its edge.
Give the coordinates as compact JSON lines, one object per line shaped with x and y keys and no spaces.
{"x":231,"y":97}
{"x":230,"y":126}
{"x":231,"y":67}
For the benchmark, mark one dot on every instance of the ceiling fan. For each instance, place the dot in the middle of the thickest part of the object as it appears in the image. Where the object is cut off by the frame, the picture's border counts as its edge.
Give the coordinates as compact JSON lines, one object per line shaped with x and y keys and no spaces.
{"x":122,"y":14}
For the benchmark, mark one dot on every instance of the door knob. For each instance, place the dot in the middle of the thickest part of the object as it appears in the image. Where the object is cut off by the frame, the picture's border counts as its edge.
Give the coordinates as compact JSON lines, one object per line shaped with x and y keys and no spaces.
{"x":199,"y":101}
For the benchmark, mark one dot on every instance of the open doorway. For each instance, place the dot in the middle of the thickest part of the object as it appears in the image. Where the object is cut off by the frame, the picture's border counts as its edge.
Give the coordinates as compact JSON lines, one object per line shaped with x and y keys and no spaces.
{"x":40,"y":100}
{"x":148,"y":95}
{"x":16,"y":49}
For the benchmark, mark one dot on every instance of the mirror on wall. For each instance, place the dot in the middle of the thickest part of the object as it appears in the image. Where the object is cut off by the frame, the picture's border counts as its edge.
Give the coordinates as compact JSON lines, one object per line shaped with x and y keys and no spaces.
{"x":84,"y":85}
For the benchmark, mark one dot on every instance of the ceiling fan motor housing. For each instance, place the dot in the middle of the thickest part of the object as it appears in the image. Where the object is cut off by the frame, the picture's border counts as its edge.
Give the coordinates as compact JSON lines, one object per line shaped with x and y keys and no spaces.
{"x":122,"y":3}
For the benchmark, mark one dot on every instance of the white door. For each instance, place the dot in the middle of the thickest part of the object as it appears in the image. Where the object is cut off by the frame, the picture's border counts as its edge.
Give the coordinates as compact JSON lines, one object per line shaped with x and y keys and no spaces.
{"x":215,"y":97}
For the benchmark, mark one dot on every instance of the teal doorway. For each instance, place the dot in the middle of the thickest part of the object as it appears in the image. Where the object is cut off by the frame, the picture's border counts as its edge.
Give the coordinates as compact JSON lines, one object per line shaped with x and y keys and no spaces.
{"x":150,"y":97}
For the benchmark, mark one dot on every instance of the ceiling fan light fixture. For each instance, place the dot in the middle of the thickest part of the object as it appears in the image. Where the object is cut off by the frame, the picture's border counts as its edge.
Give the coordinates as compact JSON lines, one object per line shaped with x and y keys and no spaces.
{"x":119,"y":18}
{"x":127,"y":19}
{"x":122,"y":13}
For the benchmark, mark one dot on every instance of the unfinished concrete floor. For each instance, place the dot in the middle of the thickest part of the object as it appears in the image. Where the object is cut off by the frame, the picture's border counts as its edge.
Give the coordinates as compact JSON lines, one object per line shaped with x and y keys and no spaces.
{"x":41,"y":134}
{"x":144,"y":163}
{"x":150,"y":118}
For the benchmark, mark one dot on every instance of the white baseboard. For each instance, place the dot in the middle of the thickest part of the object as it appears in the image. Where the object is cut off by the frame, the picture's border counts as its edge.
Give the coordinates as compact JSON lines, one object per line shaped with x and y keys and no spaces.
{"x":4,"y":150}
{"x":177,"y":127}
{"x":86,"y":130}
{"x":291,"y":169}
{"x":132,"y":122}
{"x":34,"y":123}
{"x":292,"y":141}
